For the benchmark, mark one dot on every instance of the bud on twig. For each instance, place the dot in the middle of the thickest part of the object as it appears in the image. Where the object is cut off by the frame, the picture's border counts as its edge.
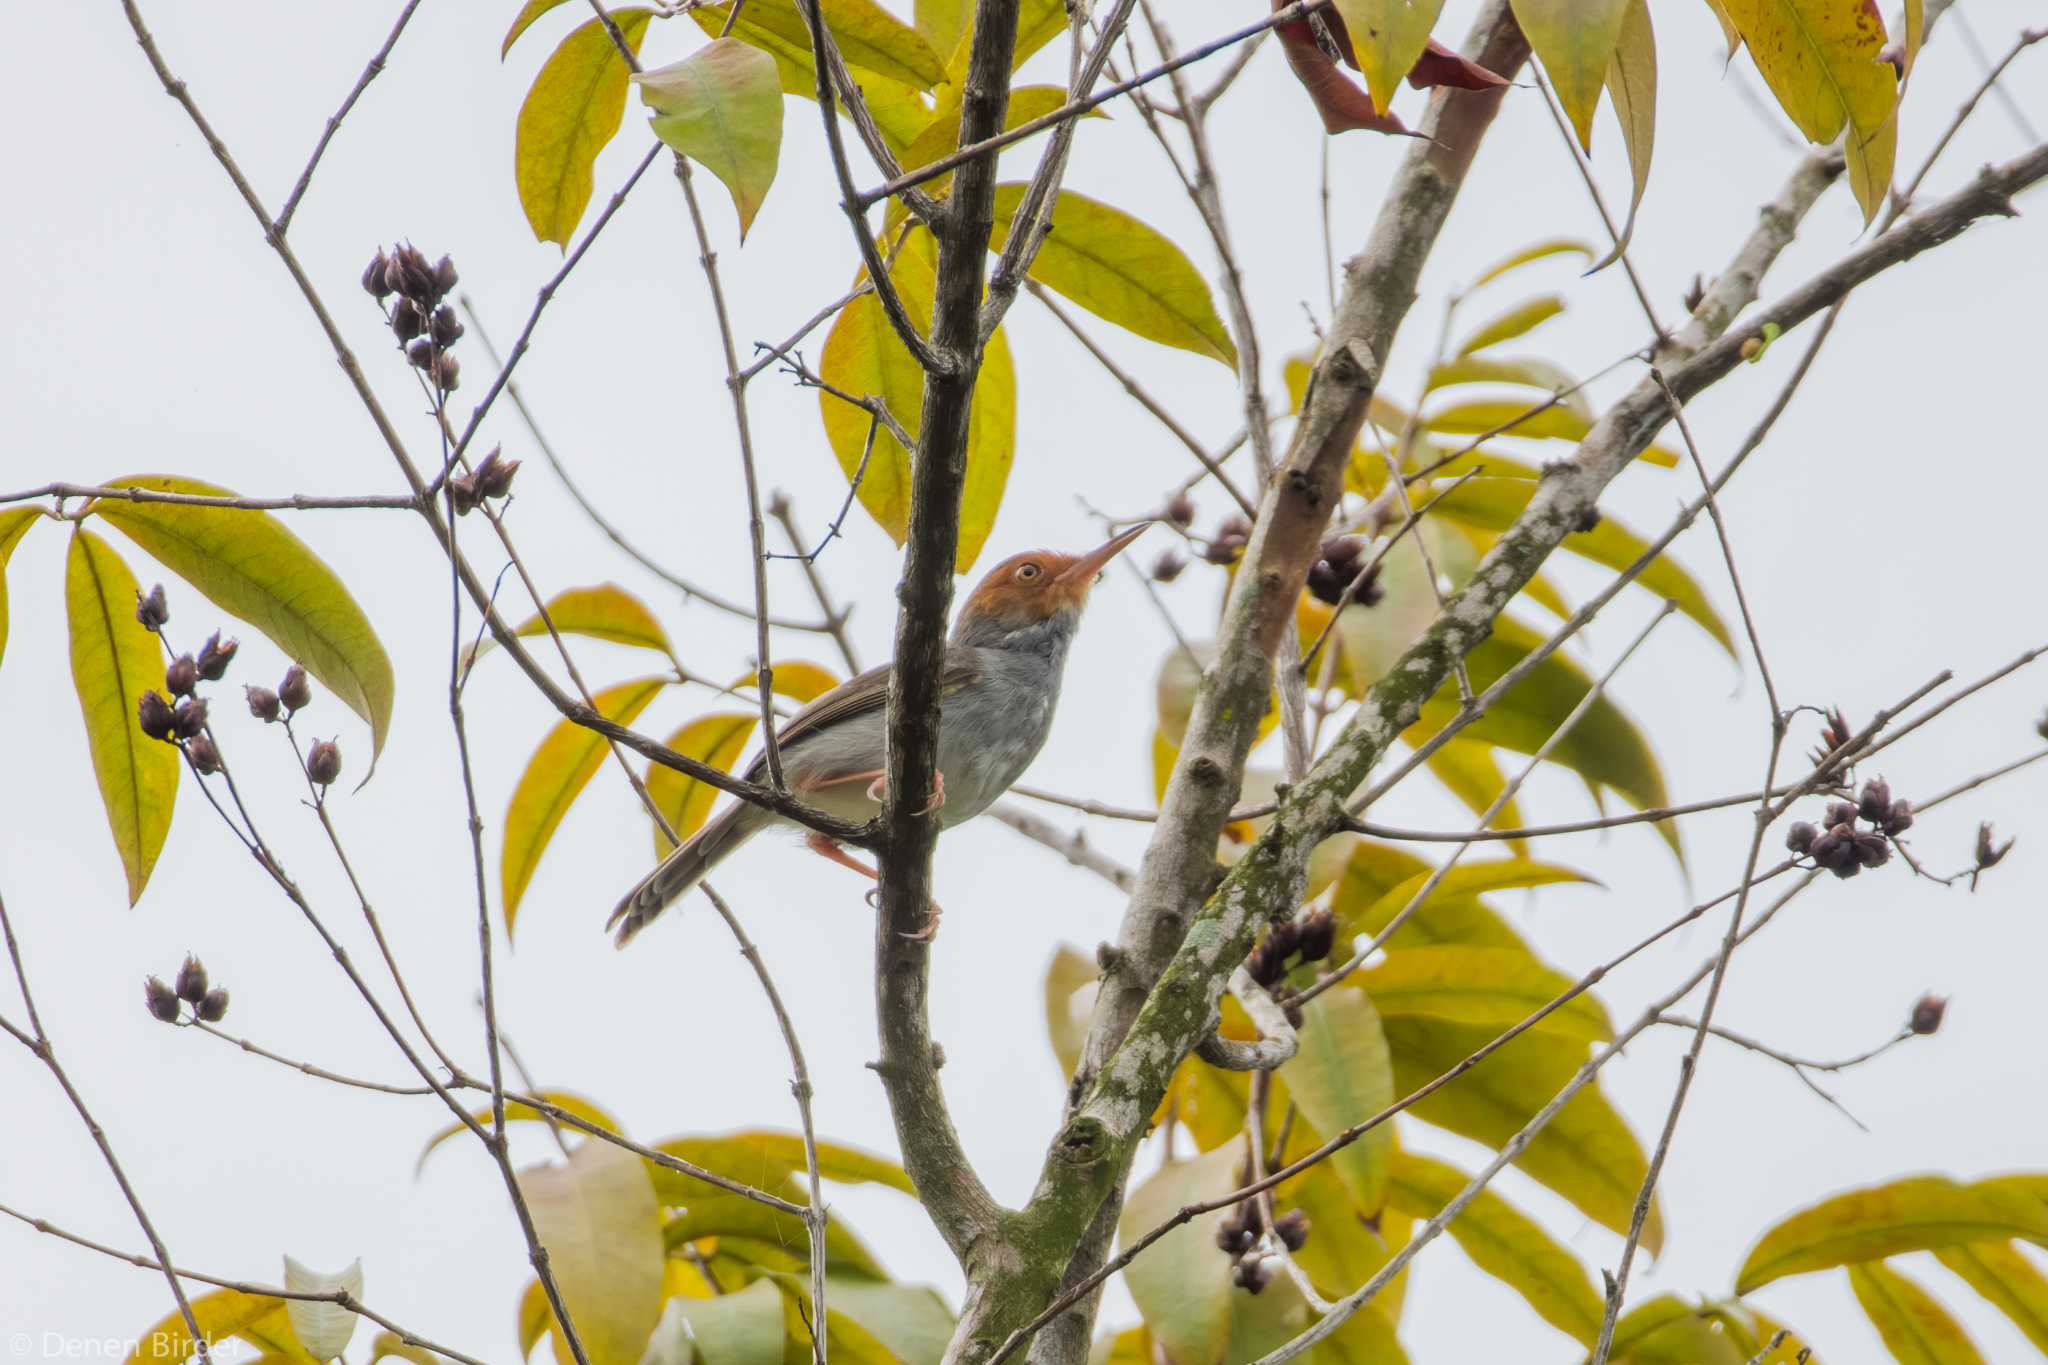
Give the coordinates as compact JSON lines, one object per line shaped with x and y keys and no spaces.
{"x":1800,"y":837}
{"x":447,"y":328}
{"x":1990,"y":853}
{"x":182,"y":676}
{"x":1251,"y":1274}
{"x":462,"y":493}
{"x":407,"y":321}
{"x":323,"y":762}
{"x":1318,"y":935}
{"x":263,"y":703}
{"x":494,"y":474}
{"x":373,"y":277}
{"x":150,"y":609}
{"x":215,"y":656}
{"x":155,"y":716}
{"x":444,"y":276}
{"x":1875,"y":803}
{"x":447,"y":373}
{"x":191,"y":985}
{"x":161,"y":1000}
{"x":1181,"y":511}
{"x":1167,"y":567}
{"x":205,"y":758}
{"x":421,"y":354}
{"x":214,"y":1007}
{"x":1292,"y":1229}
{"x":1927,"y":1013}
{"x":1695,"y":294}
{"x":190,"y":717}
{"x":1899,"y":818}
{"x":1229,"y":541}
{"x":295,"y":692}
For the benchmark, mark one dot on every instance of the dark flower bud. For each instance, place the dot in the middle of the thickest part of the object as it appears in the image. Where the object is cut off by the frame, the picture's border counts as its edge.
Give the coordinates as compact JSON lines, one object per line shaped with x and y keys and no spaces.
{"x":494,"y":475}
{"x":1989,"y":852}
{"x":1875,"y":802}
{"x":191,"y":985}
{"x":1840,"y":813}
{"x":1836,"y":732}
{"x":407,"y":321}
{"x":414,"y":278}
{"x":182,"y":676}
{"x":1695,"y":294}
{"x":263,"y":703}
{"x":1872,"y":850}
{"x":205,"y":758}
{"x":295,"y":692}
{"x":1181,"y":511}
{"x":1251,"y":1274}
{"x":421,"y":354}
{"x":1337,"y":563}
{"x":1318,"y":935}
{"x":444,"y":276}
{"x":1836,"y":851}
{"x":215,"y":656}
{"x":1167,"y":567}
{"x":446,"y":326}
{"x":214,"y":1007}
{"x":1927,"y":1014}
{"x":155,"y":716}
{"x":1800,"y":837}
{"x":1233,"y":1238}
{"x":447,"y":374}
{"x":190,"y":717}
{"x":323,"y":762}
{"x":373,"y":277}
{"x":150,"y":608}
{"x":1229,"y":541}
{"x":161,"y":1000}
{"x":462,"y":492}
{"x":1292,"y":1228}
{"x":1899,"y":818}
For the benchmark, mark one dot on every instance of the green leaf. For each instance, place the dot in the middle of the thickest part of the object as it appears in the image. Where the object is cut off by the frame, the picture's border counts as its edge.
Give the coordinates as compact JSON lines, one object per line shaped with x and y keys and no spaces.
{"x":530,"y":11}
{"x":740,"y":1328}
{"x":249,"y":564}
{"x":1575,"y":40}
{"x":1123,"y":271}
{"x":574,"y":108}
{"x":900,"y":1322}
{"x":515,"y":1112}
{"x":1554,"y":246}
{"x":1586,"y":1153}
{"x":864,"y":356}
{"x":1493,"y":987}
{"x":1919,"y":1213}
{"x":255,"y":1318}
{"x":1632,"y":88}
{"x":1523,"y":318}
{"x":596,"y":1215}
{"x":113,"y":662}
{"x":556,"y":774}
{"x":1386,"y":37}
{"x":722,"y":107}
{"x":1342,"y":1076}
{"x":322,"y":1328}
{"x":870,"y":39}
{"x":2011,"y":1283}
{"x":1504,"y":1242}
{"x":13,"y":526}
{"x":1360,"y":913}
{"x":1182,"y":1284}
{"x":767,"y":1236}
{"x":1666,"y":1330}
{"x":685,"y":802}
{"x":762,"y":1157}
{"x":1916,"y":1329}
{"x":1066,"y":1016}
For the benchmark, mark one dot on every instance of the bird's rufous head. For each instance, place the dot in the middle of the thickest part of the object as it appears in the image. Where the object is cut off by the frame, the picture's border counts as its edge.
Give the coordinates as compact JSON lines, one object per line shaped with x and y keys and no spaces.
{"x":1039,"y":584}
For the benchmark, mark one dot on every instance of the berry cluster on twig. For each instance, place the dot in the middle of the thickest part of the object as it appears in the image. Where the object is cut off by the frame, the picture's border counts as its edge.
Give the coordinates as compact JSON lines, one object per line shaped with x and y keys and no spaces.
{"x":1856,"y":836}
{"x":1242,"y":1237}
{"x":167,"y":1004}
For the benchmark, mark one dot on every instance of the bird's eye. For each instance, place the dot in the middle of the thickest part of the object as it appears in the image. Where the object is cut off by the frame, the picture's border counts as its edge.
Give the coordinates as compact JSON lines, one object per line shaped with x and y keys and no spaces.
{"x":1027,"y":572}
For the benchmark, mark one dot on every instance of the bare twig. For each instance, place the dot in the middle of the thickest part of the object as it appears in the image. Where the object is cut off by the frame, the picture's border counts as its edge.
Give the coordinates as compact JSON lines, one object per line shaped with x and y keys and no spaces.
{"x":370,"y":73}
{"x":296,"y":502}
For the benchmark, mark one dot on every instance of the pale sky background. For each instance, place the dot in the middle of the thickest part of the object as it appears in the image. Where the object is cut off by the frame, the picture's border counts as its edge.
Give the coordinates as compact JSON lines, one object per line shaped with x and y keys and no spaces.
{"x":1889,"y":529}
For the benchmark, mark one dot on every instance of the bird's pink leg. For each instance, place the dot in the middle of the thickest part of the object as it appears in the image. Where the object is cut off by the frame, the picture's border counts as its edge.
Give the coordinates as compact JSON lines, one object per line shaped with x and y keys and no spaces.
{"x":824,"y":846}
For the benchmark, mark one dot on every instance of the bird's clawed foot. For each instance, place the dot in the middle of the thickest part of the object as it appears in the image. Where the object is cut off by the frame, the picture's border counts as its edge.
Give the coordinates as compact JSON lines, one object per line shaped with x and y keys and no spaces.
{"x":878,"y":792}
{"x":925,"y":934}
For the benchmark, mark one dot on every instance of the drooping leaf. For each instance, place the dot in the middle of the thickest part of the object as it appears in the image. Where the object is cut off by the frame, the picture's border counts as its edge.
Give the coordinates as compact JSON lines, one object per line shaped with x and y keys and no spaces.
{"x":250,"y":564}
{"x":777,"y":28}
{"x":1666,"y":1330}
{"x":1916,"y":1329}
{"x":1537,"y":251}
{"x":869,"y":37}
{"x":941,"y":137}
{"x":1575,"y":40}
{"x":1472,"y":773}
{"x":555,"y":776}
{"x":390,"y":1346}
{"x":1919,"y":1213}
{"x":13,"y":526}
{"x":515,"y":1112}
{"x":1359,"y":914}
{"x":1750,"y":1332}
{"x":1182,"y":1284}
{"x":1339,"y":101}
{"x":1387,"y":36}
{"x":1340,"y":1077}
{"x":798,"y":679}
{"x":1065,"y":977}
{"x":767,"y":1236}
{"x":595,"y":1213}
{"x":604,"y":612}
{"x":1122,"y":270}
{"x":255,"y":1318}
{"x":2011,"y":1282}
{"x":942,"y":21}
{"x":1492,"y":987}
{"x":1632,"y":89}
{"x":718,"y":739}
{"x":113,"y":662}
{"x":1504,"y":1242}
{"x":1523,"y":318}
{"x":1728,"y":29}
{"x":740,"y":1328}
{"x":766,"y":1157}
{"x":573,"y":109}
{"x":322,"y":1328}
{"x":864,"y":356}
{"x":722,"y":107}
{"x":871,"y":1322}
{"x":1443,"y":66}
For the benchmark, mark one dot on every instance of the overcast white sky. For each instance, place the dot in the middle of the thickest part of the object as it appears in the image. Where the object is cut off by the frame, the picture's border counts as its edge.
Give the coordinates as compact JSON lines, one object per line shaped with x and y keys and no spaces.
{"x":1890,"y":529}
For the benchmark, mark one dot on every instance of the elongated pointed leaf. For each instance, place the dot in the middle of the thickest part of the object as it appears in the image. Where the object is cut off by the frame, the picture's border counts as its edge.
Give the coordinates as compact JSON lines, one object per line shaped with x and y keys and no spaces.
{"x":1387,"y":36}
{"x":740,"y":1328}
{"x":555,"y":776}
{"x":941,"y":137}
{"x":530,"y":11}
{"x":1341,"y":1076}
{"x":1182,"y":1283}
{"x":1121,"y":270}
{"x":1538,"y":251}
{"x":1632,"y":89}
{"x":767,"y":1158}
{"x":1574,"y":39}
{"x":910,"y":1320}
{"x":774,"y":1239}
{"x":2013,"y":1284}
{"x":869,"y":37}
{"x":1065,"y":977}
{"x":722,"y":107}
{"x":798,"y":679}
{"x":13,"y":526}
{"x":595,"y":1213}
{"x":250,"y":564}
{"x":322,"y":1328}
{"x":685,"y":802}
{"x":113,"y":662}
{"x":573,"y":109}
{"x":1523,"y":318}
{"x":1493,"y":987}
{"x":604,"y":612}
{"x":1666,"y":1330}
{"x":516,"y":1112}
{"x":255,"y":1318}
{"x":1920,"y":1213}
{"x":1504,"y":1242}
{"x":1472,"y":773}
{"x":1916,"y":1329}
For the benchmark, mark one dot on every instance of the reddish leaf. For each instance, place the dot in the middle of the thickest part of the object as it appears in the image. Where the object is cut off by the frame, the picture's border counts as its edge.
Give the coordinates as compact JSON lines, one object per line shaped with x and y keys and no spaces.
{"x":1439,"y":65}
{"x":1343,"y":104}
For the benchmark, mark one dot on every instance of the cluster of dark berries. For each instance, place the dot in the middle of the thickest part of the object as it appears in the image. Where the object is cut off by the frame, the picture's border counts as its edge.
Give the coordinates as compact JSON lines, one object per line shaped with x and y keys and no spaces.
{"x":1308,"y":939}
{"x":1844,"y":848}
{"x":1338,"y":563}
{"x":492,"y":478}
{"x":1229,"y":541}
{"x":423,"y":324}
{"x":1240,"y":1236}
{"x":209,"y":1003}
{"x":182,"y":722}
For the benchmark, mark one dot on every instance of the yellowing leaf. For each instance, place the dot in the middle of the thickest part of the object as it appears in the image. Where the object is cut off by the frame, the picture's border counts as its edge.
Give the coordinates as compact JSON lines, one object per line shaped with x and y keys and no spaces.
{"x":1524,"y":317}
{"x":1182,"y":1283}
{"x":766,"y":1236}
{"x":1574,"y":39}
{"x":1473,"y":774}
{"x":1632,"y":88}
{"x":941,"y":137}
{"x":1820,"y":58}
{"x":2013,"y":1284}
{"x":870,"y":38}
{"x":1920,"y":1213}
{"x":797,"y":679}
{"x":573,"y":109}
{"x":250,"y":564}
{"x":767,"y":1158}
{"x":744,"y":1327}
{"x":596,"y":1215}
{"x":554,"y":777}
{"x":113,"y":662}
{"x":13,"y":526}
{"x":1340,"y":1077}
{"x":1666,"y":1330}
{"x":515,"y":1112}
{"x":1916,"y":1329}
{"x":722,"y":107}
{"x":1504,"y":1242}
{"x":1122,"y":271}
{"x":1066,"y":976}
{"x":864,"y":356}
{"x":685,"y":802}
{"x":1554,"y":246}
{"x":943,"y":21}
{"x":323,"y":1328}
{"x":255,"y":1318}
{"x":530,"y":11}
{"x":1728,"y":29}
{"x":1387,"y":36}
{"x":605,"y":612}
{"x":1496,"y":987}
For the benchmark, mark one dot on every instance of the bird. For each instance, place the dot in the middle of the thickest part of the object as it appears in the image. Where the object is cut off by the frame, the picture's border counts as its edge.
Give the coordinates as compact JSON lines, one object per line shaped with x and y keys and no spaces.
{"x":998,"y":686}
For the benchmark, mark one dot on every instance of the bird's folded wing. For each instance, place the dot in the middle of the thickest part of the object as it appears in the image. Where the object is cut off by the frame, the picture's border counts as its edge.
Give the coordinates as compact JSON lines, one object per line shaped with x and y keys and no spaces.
{"x":862,"y":693}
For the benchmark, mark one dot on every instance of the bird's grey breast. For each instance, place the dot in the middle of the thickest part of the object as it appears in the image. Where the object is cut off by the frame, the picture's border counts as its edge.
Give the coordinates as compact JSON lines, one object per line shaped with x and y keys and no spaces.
{"x":991,"y":730}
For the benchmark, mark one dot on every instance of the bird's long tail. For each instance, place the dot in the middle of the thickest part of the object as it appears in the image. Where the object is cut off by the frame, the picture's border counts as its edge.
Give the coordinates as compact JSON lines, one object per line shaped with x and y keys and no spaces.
{"x":684,"y":868}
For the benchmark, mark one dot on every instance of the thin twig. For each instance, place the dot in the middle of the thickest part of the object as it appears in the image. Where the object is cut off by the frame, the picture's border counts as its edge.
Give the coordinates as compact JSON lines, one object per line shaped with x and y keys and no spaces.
{"x":780,"y":507}
{"x":370,"y":72}
{"x":296,"y":502}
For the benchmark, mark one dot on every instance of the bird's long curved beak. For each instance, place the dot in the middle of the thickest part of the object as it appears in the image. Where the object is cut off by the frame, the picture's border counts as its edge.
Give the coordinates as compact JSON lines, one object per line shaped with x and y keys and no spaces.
{"x":1084,"y":569}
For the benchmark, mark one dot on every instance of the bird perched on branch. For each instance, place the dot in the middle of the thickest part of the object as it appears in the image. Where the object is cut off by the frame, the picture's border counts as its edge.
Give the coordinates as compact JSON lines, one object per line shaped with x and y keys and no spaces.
{"x":1000,"y":680}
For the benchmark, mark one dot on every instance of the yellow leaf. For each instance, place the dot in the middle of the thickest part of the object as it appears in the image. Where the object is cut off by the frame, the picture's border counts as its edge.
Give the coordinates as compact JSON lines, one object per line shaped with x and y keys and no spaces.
{"x":870,"y":39}
{"x":1553,"y":246}
{"x":1522,"y":318}
{"x":530,"y":11}
{"x":1632,"y":89}
{"x":769,"y":1237}
{"x":1728,"y":29}
{"x":768,"y":1159}
{"x":722,"y":107}
{"x":250,"y":564}
{"x":1919,"y":1213}
{"x":2013,"y":1284}
{"x":685,"y":802}
{"x":798,"y":679}
{"x":596,"y":1215}
{"x":1340,"y":1077}
{"x":941,"y":136}
{"x":1387,"y":36}
{"x":1066,"y":1009}
{"x":257,"y":1319}
{"x":1495,"y":987}
{"x":943,"y":21}
{"x":604,"y":612}
{"x":1575,"y":39}
{"x":1473,"y":774}
{"x":13,"y":526}
{"x":113,"y":662}
{"x":573,"y":109}
{"x":1038,"y":23}
{"x":556,"y":774}
{"x":864,"y":356}
{"x":1916,"y":1329}
{"x":516,"y":1112}
{"x":1122,"y":271}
